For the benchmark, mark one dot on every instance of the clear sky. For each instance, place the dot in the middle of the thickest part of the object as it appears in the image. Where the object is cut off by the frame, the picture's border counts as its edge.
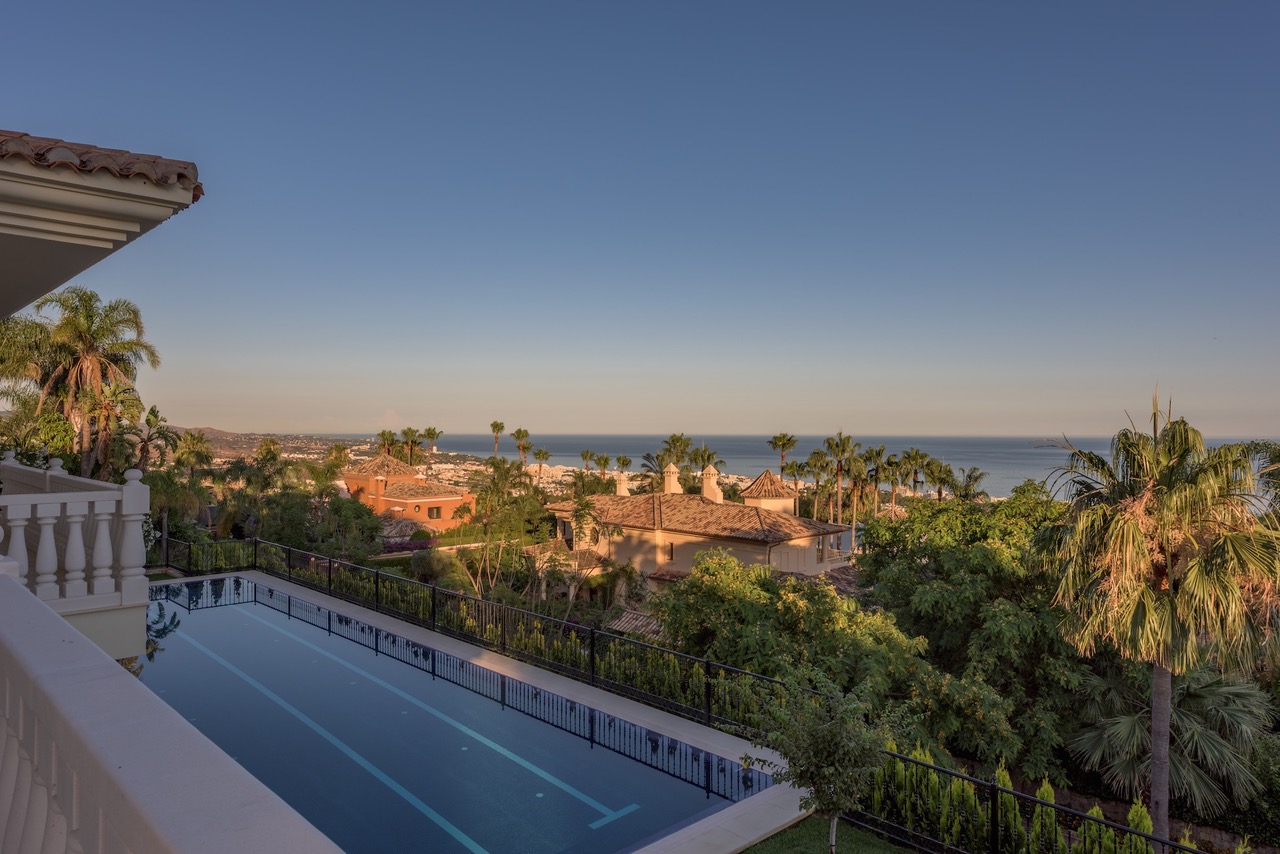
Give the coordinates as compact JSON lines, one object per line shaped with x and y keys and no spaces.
{"x":718,"y":217}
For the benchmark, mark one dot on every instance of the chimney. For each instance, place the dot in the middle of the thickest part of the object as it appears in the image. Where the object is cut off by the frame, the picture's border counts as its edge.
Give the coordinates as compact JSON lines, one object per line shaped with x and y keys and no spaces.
{"x":710,"y":488}
{"x":671,"y":480}
{"x":620,"y":483}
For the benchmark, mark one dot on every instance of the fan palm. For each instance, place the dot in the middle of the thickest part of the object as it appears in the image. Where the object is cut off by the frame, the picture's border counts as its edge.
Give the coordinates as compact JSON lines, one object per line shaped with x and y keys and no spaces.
{"x":874,"y":458}
{"x":520,"y":435}
{"x":915,"y":460}
{"x":431,"y":434}
{"x":541,"y":455}
{"x":702,"y":456}
{"x":1168,"y":554}
{"x":939,"y":474}
{"x":387,"y":441}
{"x":967,"y":484}
{"x":782,"y":443}
{"x":412,"y":439}
{"x":820,"y":467}
{"x":496,"y":428}
{"x":1213,"y":723}
{"x":840,"y":448}
{"x":193,"y":452}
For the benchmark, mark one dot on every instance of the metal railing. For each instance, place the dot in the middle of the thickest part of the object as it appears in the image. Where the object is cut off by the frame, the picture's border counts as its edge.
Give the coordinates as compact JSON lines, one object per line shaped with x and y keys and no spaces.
{"x":920,"y":804}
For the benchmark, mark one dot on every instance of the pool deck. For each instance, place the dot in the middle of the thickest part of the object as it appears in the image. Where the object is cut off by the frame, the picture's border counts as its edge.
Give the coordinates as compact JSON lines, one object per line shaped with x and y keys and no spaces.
{"x":729,"y":830}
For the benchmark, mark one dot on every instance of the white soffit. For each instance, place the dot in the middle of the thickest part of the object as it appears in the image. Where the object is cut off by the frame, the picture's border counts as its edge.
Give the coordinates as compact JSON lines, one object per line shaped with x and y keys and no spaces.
{"x":57,"y":222}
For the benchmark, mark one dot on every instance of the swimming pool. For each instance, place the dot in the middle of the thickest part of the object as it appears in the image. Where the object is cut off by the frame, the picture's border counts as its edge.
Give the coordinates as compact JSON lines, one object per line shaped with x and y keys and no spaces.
{"x":386,"y":744}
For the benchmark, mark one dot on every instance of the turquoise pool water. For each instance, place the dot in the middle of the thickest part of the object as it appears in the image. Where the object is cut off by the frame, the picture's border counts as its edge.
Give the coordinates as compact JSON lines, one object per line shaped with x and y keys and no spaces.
{"x":375,"y":740}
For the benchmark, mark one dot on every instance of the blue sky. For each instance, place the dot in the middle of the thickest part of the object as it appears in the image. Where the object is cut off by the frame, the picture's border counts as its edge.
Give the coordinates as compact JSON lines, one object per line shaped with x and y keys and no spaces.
{"x":719,"y":217}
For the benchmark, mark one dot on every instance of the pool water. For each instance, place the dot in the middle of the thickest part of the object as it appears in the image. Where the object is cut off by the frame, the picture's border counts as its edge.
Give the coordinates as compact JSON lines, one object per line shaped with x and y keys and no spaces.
{"x":382,"y":756}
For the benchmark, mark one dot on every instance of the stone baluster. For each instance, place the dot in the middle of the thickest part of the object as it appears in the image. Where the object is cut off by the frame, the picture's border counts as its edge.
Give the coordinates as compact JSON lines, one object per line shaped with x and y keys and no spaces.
{"x":74,"y":584}
{"x":18,"y":516}
{"x":8,"y":566}
{"x":101,"y":581}
{"x":47,"y":551}
{"x":134,"y":504}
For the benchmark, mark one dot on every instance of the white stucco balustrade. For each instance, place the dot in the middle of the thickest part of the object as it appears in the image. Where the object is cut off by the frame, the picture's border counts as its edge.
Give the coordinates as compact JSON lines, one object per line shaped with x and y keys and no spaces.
{"x":77,"y":544}
{"x":92,"y":762}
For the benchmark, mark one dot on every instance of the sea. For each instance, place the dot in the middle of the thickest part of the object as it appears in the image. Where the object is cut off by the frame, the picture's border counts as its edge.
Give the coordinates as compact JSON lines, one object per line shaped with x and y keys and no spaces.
{"x":1007,"y":460}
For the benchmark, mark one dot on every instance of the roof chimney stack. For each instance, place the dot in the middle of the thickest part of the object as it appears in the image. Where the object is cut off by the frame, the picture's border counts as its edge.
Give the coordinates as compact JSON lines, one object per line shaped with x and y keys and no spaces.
{"x":710,"y":488}
{"x":671,"y":480}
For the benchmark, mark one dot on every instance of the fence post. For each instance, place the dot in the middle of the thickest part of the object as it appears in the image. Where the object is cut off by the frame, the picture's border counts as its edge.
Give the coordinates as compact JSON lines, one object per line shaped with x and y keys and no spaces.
{"x":993,"y":832}
{"x":255,"y":552}
{"x":329,"y":584}
{"x":591,"y":655}
{"x":502,"y":630}
{"x":433,"y":618}
{"x":706,"y":682}
{"x":288,"y":562}
{"x":377,"y":590}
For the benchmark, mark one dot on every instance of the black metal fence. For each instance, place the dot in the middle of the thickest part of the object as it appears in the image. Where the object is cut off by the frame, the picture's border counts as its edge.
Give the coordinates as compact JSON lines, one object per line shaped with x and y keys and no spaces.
{"x":914,"y":802}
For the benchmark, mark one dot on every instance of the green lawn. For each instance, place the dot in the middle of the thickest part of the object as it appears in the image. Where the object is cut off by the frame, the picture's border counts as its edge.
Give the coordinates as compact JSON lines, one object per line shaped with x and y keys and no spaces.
{"x":810,"y":837}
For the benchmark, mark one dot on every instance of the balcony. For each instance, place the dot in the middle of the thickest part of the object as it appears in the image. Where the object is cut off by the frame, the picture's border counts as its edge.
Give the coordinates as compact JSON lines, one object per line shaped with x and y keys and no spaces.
{"x":77,"y":545}
{"x":90,"y":760}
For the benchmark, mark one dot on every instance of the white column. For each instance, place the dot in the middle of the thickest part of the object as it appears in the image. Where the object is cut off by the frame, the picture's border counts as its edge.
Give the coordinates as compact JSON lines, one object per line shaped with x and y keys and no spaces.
{"x":101,"y":581}
{"x":18,"y":516}
{"x":7,"y":565}
{"x":47,"y":551}
{"x":134,"y":504}
{"x":73,"y":561}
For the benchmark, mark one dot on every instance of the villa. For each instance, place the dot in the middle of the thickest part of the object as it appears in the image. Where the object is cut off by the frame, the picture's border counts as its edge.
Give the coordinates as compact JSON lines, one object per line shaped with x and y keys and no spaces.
{"x":660,"y":533}
{"x":390,"y":486}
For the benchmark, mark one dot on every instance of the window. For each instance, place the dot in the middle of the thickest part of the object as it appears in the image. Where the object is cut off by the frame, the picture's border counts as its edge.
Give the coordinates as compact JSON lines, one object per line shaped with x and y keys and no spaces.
{"x":433,"y":512}
{"x":417,"y":508}
{"x":671,"y":552}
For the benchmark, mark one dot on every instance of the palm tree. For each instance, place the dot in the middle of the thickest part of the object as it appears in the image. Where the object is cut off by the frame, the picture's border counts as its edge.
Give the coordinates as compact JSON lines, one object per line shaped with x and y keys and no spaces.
{"x":154,"y":436}
{"x":820,"y":467}
{"x":840,"y":448}
{"x":431,"y":434}
{"x":520,"y":435}
{"x":874,"y":458}
{"x":602,"y":462}
{"x":541,"y":455}
{"x":523,"y":447}
{"x":795,"y":470}
{"x":624,"y":464}
{"x":85,"y":347}
{"x":967,"y":484}
{"x":412,"y":440}
{"x":113,"y":405}
{"x":193,"y":452}
{"x":915,"y":459}
{"x":496,"y":428}
{"x":782,"y":443}
{"x":387,"y":441}
{"x":587,"y":457}
{"x":702,"y":456}
{"x":940,"y":475}
{"x":676,"y":447}
{"x":894,"y":473}
{"x":1169,"y":554}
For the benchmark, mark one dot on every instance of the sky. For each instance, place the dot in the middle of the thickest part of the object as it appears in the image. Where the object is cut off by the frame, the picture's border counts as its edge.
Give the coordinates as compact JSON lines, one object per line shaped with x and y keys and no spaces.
{"x":894,"y":218}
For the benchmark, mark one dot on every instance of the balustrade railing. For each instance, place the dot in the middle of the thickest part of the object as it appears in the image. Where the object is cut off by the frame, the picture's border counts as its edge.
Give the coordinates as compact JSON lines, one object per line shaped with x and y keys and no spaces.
{"x":72,"y":540}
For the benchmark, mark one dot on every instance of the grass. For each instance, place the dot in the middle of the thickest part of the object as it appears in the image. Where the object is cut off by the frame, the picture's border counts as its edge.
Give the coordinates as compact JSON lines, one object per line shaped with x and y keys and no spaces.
{"x":810,"y":837}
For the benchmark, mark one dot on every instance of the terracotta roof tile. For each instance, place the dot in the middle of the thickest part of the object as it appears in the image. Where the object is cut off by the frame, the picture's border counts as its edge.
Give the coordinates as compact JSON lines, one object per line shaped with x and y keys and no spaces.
{"x":51,"y":153}
{"x":693,"y":514}
{"x":425,"y":489}
{"x":767,"y":485}
{"x":382,"y":465}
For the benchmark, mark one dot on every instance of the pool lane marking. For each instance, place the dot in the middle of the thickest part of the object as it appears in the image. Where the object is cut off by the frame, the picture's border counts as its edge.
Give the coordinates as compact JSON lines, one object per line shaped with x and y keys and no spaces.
{"x":608,"y":814}
{"x":351,"y":753}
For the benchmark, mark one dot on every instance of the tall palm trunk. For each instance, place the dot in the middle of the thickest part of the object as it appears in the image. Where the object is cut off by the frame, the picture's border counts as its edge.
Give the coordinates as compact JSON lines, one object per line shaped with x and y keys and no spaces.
{"x":1161,"y":711}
